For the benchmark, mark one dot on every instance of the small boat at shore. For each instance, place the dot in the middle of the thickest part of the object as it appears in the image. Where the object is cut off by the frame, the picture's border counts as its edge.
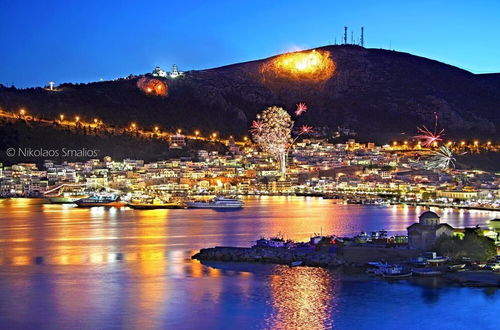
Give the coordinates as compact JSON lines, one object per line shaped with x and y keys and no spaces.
{"x":217,"y":203}
{"x":296,"y":263}
{"x":101,"y":200}
{"x":455,"y":268}
{"x":426,"y":272}
{"x":396,"y":271}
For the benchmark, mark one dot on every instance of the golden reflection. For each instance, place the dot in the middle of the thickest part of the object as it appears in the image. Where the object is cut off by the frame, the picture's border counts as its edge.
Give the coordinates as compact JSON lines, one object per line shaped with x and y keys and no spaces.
{"x":301,"y":298}
{"x":151,"y":293}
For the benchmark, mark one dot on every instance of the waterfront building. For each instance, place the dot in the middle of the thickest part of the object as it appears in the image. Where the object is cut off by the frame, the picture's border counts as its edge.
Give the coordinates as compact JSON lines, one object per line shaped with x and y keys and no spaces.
{"x":423,"y":235}
{"x":456,"y":194}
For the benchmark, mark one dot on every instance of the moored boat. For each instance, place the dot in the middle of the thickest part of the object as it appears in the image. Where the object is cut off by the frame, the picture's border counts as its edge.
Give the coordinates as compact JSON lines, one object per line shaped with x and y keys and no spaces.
{"x":101,"y":200}
{"x":426,"y":272}
{"x":396,"y":271}
{"x":155,"y":204}
{"x":217,"y":203}
{"x":65,"y":199}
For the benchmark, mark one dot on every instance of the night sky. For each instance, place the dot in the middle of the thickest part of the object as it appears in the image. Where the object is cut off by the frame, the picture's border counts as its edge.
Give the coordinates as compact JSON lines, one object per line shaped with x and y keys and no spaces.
{"x":82,"y":41}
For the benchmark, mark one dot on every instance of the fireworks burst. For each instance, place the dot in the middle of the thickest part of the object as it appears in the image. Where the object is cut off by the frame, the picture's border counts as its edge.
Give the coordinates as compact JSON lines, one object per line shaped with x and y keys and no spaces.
{"x":442,"y":159}
{"x":312,"y":66}
{"x":428,"y":138}
{"x":152,"y":86}
{"x":306,"y":130}
{"x":257,"y":126}
{"x":272,"y":132}
{"x":301,"y":108}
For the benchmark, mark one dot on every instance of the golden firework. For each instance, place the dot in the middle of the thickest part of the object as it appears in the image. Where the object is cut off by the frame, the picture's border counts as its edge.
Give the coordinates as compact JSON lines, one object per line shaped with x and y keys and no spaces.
{"x":315,"y":66}
{"x":153,"y":86}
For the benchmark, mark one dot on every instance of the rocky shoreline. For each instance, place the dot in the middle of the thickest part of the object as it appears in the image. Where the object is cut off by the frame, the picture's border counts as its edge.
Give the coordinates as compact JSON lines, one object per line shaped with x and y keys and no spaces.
{"x":270,"y":255}
{"x":325,"y":259}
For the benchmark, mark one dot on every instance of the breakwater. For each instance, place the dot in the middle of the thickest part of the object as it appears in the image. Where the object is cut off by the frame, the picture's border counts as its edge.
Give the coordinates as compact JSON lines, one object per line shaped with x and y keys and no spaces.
{"x":271,"y":255}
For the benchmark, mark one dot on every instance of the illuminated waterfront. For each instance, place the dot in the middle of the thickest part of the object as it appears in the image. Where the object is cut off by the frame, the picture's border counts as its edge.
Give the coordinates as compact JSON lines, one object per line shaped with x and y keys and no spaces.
{"x":126,"y":268}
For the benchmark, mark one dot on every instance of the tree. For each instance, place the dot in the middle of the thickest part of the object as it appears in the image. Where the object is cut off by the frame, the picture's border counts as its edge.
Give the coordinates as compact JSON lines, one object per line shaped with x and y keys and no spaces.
{"x":473,"y":245}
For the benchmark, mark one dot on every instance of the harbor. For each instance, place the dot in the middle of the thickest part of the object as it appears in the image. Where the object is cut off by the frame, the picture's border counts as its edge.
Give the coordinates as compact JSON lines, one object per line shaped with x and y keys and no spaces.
{"x":137,"y":264}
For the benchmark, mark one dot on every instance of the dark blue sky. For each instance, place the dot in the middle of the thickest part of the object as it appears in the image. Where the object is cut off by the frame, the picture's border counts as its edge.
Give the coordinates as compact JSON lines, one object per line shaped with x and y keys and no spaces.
{"x":81,"y":41}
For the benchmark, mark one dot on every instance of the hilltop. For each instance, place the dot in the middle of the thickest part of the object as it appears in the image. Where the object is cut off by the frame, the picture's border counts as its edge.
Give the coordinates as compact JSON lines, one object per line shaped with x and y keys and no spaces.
{"x":381,"y":94}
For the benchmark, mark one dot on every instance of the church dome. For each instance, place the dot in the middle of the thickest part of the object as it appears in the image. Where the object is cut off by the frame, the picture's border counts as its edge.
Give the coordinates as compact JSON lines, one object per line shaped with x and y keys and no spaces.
{"x":429,"y":215}
{"x":429,"y":218}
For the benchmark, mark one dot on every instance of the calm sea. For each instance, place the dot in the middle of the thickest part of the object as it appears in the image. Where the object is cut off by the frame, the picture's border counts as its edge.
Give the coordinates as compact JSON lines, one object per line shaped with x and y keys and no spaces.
{"x":64,"y":267}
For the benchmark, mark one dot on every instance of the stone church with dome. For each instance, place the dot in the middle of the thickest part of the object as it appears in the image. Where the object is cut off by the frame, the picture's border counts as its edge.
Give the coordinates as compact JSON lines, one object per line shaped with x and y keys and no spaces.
{"x":423,"y":235}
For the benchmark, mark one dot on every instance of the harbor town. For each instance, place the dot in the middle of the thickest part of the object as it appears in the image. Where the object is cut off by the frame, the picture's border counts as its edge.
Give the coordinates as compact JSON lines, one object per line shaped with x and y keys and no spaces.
{"x":350,"y":172}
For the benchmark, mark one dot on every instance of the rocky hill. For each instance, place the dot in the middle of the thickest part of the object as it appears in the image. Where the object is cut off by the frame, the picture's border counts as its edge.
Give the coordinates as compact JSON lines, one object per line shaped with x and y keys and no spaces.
{"x":381,"y":94}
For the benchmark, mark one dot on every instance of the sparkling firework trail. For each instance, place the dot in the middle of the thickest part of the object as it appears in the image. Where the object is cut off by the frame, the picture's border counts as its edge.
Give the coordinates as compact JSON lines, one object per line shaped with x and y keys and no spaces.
{"x":301,"y":108}
{"x":442,"y":159}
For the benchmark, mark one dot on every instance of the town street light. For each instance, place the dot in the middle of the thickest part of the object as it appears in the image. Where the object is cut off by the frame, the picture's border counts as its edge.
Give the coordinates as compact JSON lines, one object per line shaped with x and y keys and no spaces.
{"x":61,"y":117}
{"x":77,"y":119}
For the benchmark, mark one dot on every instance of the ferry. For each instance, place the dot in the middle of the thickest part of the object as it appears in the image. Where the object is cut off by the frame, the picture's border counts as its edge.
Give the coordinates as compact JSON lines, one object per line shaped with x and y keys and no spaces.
{"x":101,"y":200}
{"x":217,"y":203}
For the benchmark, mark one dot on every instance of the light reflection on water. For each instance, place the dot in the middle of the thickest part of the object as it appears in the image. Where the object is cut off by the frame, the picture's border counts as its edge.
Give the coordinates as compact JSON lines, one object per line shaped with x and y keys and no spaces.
{"x":95,"y":268}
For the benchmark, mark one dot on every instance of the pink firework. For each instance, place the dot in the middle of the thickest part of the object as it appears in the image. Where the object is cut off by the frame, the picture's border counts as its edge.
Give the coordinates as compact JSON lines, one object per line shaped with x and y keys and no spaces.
{"x":428,"y":138}
{"x":257,"y":126}
{"x":306,"y":129}
{"x":301,"y":108}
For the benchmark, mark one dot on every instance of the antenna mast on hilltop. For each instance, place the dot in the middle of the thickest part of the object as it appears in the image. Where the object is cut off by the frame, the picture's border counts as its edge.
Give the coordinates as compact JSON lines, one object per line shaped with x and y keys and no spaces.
{"x":352,"y":38}
{"x":345,"y":35}
{"x":362,"y":40}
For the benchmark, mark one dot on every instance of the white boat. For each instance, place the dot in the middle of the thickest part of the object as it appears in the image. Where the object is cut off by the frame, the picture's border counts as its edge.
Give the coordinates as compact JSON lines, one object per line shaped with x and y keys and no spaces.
{"x":296,"y":263}
{"x":426,"y":272}
{"x":396,"y":271}
{"x":217,"y":203}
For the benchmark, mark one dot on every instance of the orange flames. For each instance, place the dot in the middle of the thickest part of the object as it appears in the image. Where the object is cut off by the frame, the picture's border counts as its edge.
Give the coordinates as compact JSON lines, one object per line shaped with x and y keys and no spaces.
{"x":313,"y":66}
{"x":152,"y":86}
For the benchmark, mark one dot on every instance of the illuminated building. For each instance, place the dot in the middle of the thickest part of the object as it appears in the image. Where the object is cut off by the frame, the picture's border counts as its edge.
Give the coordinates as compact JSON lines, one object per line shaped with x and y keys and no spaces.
{"x":423,"y":235}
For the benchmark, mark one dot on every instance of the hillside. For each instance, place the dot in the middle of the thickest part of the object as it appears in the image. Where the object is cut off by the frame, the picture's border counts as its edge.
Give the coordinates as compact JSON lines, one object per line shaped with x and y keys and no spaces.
{"x":379,"y":93}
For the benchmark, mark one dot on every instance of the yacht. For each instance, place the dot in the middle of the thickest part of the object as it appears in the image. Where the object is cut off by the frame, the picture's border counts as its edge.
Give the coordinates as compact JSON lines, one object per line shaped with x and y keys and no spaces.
{"x":101,"y":200}
{"x":217,"y":203}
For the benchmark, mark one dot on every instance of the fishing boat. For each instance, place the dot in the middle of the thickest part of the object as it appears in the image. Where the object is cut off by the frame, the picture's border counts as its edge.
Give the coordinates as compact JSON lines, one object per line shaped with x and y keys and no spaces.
{"x":154,"y":203}
{"x":396,"y":271}
{"x":216,"y":203}
{"x":426,"y":272}
{"x":457,"y":267}
{"x":101,"y":200}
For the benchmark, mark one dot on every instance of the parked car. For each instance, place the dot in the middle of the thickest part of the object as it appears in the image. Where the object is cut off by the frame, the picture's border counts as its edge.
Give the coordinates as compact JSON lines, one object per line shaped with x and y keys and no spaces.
{"x":493,"y":266}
